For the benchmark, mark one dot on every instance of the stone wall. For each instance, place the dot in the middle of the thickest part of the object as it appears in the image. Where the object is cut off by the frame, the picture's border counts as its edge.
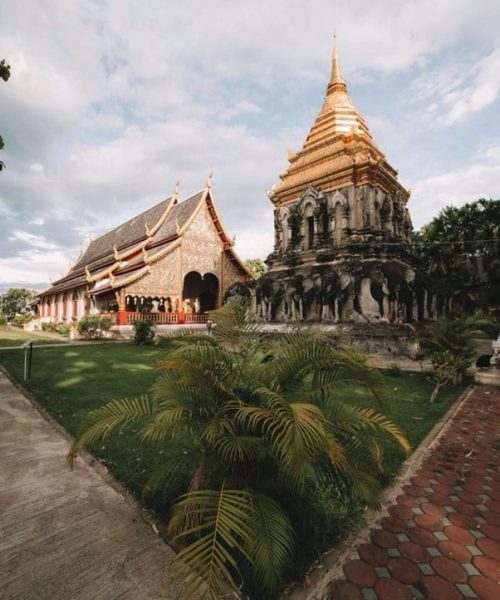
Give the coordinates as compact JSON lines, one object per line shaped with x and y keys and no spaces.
{"x":387,"y":339}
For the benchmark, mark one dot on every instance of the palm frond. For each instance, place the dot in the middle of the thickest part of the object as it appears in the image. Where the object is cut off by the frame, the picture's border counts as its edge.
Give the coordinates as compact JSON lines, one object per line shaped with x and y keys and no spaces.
{"x":272,"y":545}
{"x":359,"y":422}
{"x":365,"y":486}
{"x":116,"y":414}
{"x":175,"y":468}
{"x":240,"y":448}
{"x":229,"y":526}
{"x":296,"y":431}
{"x":222,"y":529}
{"x":235,"y":322}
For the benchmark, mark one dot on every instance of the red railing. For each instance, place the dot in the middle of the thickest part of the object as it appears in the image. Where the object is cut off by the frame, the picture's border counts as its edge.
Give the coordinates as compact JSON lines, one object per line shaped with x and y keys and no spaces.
{"x":196,"y":319}
{"x":157,"y":318}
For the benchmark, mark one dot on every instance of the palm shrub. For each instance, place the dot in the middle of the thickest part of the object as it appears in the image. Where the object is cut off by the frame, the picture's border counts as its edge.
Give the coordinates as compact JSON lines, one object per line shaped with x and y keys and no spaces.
{"x":247,"y":427}
{"x":450,"y":346}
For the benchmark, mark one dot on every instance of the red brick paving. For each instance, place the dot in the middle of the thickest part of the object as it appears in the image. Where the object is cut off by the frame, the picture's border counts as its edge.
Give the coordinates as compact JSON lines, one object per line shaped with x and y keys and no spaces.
{"x":455,"y":551}
{"x":360,"y":573}
{"x":484,"y":588}
{"x":490,"y":548}
{"x":441,"y":537}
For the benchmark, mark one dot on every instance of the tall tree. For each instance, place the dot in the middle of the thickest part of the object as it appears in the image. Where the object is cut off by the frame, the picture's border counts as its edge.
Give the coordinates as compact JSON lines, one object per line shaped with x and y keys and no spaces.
{"x":4,"y":74}
{"x":256,"y":266}
{"x":461,"y":247}
{"x":16,"y":300}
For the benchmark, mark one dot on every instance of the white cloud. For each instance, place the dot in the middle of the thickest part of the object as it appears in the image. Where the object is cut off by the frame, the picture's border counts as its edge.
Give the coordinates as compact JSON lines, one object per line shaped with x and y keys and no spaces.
{"x":37,"y":241}
{"x":34,"y":266}
{"x":479,"y":179}
{"x":483,"y":89}
{"x":460,"y":89}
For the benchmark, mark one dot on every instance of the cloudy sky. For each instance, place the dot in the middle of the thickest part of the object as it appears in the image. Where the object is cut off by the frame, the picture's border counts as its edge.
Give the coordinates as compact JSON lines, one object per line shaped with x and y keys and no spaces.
{"x":111,"y":101}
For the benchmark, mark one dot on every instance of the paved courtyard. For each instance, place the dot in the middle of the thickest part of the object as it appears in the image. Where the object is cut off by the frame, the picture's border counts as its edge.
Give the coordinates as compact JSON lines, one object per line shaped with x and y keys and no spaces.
{"x":67,"y":535}
{"x":441,"y":539}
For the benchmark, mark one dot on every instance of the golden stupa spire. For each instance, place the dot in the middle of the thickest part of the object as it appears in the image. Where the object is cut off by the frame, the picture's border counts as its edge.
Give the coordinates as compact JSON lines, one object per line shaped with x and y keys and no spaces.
{"x":336,"y":84}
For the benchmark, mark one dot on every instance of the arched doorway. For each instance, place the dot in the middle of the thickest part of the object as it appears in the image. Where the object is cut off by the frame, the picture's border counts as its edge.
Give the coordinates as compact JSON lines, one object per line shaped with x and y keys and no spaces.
{"x":200,"y":292}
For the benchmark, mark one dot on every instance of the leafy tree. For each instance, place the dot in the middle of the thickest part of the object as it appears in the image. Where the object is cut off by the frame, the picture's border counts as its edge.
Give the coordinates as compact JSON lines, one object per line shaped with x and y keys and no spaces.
{"x":450,"y":346}
{"x":256,"y":266}
{"x":246,"y":427}
{"x":461,"y":247}
{"x":15,"y":300}
{"x":4,"y":74}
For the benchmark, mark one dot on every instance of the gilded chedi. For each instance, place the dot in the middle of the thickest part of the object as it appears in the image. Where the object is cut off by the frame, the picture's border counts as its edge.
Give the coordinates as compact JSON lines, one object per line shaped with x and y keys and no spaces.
{"x":342,"y":249}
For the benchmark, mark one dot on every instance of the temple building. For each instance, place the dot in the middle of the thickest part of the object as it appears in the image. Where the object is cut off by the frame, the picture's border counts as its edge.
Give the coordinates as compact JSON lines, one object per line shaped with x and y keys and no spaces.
{"x":342,"y":249}
{"x":172,"y":264}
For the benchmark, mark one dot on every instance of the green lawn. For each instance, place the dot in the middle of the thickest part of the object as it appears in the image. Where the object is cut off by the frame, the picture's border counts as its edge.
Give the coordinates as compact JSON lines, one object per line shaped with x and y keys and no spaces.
{"x":11,"y":336}
{"x":70,"y":381}
{"x":409,"y":407}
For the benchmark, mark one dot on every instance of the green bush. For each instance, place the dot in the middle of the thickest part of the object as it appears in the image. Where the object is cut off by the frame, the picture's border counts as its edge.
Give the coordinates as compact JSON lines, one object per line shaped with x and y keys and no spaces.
{"x":3,"y":319}
{"x":63,"y":328}
{"x":20,"y":320}
{"x":144,"y":332}
{"x":94,"y":326}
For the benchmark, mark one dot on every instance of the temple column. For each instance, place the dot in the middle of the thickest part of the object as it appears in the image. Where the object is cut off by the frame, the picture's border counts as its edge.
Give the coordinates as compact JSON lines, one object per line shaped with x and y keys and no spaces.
{"x":122,"y":308}
{"x":80,"y":311}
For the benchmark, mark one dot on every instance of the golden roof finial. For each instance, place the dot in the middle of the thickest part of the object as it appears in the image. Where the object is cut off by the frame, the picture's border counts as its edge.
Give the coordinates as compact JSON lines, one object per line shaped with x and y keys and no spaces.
{"x":209,"y":180}
{"x":337,"y":84}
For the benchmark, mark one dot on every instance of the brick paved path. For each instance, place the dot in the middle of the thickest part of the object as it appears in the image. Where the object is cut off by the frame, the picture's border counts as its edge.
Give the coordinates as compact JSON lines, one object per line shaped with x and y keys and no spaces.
{"x":441,"y":540}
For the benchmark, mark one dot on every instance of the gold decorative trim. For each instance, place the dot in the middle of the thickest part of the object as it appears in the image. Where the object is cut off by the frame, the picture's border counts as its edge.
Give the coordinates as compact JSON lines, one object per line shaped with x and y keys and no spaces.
{"x":100,"y":274}
{"x":163,"y":252}
{"x":133,"y":277}
{"x":137,"y":248}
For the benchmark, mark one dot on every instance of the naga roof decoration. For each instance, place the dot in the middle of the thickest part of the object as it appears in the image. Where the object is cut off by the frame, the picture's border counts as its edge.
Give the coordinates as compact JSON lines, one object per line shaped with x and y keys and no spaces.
{"x":338,"y":151}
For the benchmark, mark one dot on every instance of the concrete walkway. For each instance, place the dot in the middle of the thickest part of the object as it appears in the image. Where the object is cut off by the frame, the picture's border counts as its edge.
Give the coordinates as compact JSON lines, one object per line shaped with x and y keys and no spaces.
{"x":67,"y":535}
{"x":441,"y":537}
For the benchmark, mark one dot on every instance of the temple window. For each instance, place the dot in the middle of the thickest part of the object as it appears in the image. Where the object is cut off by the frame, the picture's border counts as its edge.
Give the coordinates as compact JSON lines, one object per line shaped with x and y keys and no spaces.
{"x":338,"y":224}
{"x":309,"y":232}
{"x":286,"y":233}
{"x":376,"y":216}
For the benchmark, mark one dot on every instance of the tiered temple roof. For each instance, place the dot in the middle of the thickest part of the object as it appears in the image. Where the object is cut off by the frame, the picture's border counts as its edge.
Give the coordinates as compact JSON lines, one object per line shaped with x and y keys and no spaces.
{"x":125,"y":253}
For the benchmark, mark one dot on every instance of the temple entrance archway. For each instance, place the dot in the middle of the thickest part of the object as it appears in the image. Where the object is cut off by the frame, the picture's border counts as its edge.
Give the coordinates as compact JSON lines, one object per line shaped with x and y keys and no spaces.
{"x":200,"y":292}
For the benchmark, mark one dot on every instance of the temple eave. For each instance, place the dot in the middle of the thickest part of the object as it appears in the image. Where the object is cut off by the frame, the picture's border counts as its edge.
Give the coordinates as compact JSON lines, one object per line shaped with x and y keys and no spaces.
{"x":350,"y":174}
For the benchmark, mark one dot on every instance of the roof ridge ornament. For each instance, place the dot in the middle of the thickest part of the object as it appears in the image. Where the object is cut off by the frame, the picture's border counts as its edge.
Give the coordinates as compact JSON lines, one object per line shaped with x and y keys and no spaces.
{"x":209,"y":180}
{"x":176,"y":191}
{"x":337,"y":83}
